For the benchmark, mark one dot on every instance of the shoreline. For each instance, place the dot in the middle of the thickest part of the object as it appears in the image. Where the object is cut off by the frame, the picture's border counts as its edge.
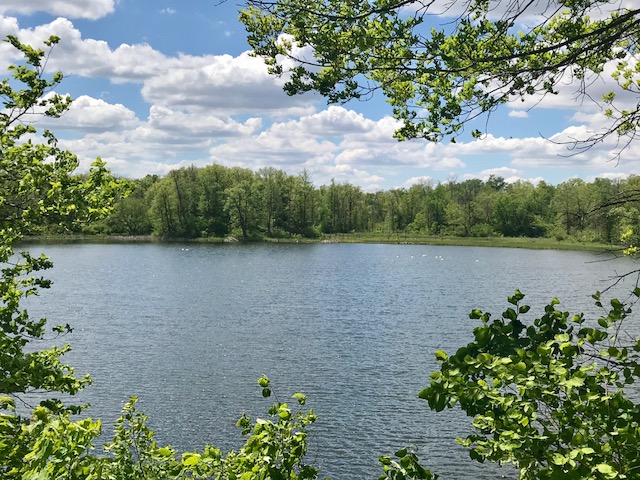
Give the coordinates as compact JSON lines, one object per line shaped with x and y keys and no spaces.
{"x":494,"y":242}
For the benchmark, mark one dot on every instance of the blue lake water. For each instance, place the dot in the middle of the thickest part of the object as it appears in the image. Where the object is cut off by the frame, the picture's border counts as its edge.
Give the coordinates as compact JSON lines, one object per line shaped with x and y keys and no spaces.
{"x":189,"y":328}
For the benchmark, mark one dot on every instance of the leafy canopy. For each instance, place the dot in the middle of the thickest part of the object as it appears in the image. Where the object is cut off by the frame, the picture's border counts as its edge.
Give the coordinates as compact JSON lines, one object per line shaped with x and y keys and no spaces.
{"x":438,"y":77}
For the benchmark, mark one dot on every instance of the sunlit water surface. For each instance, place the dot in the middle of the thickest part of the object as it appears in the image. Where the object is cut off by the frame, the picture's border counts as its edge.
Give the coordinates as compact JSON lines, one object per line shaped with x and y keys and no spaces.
{"x":189,"y":329}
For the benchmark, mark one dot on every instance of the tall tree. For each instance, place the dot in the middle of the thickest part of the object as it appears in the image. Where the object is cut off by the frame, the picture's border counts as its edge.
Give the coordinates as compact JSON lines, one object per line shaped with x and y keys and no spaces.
{"x":130,"y":215}
{"x":464,"y":195}
{"x":244,"y":203}
{"x":163,"y":207}
{"x":437,"y":200}
{"x":214,"y":181}
{"x":272,"y":182}
{"x":302,"y":205}
{"x":514,"y":211}
{"x":187,"y":194}
{"x":393,"y":220}
{"x":573,"y":202}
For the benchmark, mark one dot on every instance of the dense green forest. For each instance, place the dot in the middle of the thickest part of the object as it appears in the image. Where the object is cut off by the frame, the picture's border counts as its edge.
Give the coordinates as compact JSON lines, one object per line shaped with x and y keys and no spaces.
{"x":217,"y":201}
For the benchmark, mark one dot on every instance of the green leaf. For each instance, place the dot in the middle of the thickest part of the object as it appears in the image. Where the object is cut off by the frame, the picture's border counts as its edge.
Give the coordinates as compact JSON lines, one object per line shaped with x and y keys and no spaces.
{"x":559,"y":459}
{"x":607,"y":470}
{"x":302,"y":399}
{"x":441,"y":355}
{"x":190,"y":459}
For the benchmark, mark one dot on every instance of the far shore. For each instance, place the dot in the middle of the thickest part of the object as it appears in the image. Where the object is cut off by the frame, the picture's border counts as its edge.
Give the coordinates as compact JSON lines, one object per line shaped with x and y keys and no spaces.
{"x":400,"y":239}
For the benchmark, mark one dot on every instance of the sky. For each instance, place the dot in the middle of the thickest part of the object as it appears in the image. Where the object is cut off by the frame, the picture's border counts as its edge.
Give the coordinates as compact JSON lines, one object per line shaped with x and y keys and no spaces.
{"x":164,"y":84}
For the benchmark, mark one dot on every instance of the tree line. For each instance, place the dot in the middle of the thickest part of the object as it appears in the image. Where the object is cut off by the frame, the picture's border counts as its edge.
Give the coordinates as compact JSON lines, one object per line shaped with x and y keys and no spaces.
{"x":218,"y":201}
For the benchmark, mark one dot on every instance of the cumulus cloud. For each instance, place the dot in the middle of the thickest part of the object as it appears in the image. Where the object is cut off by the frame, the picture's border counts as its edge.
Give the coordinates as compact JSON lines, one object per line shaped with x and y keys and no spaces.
{"x":585,"y":94}
{"x":89,"y":114}
{"x":510,"y":175}
{"x":504,"y":172}
{"x":421,"y":180}
{"x":451,"y":9}
{"x":332,"y":122}
{"x":162,"y":141}
{"x":93,"y":9}
{"x":518,"y":114}
{"x":92,"y":58}
{"x":223,"y":83}
{"x":205,"y":126}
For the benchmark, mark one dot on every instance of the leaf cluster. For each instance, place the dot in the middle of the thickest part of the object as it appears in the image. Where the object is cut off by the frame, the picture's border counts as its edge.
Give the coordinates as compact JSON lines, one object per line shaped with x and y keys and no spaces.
{"x":549,"y":396}
{"x":61,"y":448}
{"x":439,"y":78}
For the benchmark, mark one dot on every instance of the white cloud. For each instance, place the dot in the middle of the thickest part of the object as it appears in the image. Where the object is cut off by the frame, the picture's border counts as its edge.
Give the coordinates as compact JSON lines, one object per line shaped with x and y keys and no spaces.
{"x":451,"y":9}
{"x":225,"y":84}
{"x":585,"y":95}
{"x":510,"y":175}
{"x":334,"y":121}
{"x":450,"y":163}
{"x":92,"y":58}
{"x":89,"y":114}
{"x":189,"y":125}
{"x":518,"y":114}
{"x":614,"y":176}
{"x":421,"y":180}
{"x":168,"y":11}
{"x":92,"y":9}
{"x":8,"y":26}
{"x":499,"y":172}
{"x":233,"y":85}
{"x":347,"y":174}
{"x":164,"y":140}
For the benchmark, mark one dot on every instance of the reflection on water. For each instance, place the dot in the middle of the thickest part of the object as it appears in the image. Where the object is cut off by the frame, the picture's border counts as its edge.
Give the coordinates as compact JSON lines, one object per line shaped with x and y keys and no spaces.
{"x":190,"y":328}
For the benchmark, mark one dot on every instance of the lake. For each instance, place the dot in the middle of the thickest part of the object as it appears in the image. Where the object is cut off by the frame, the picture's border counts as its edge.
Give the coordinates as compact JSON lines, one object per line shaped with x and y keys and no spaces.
{"x":189,"y":328}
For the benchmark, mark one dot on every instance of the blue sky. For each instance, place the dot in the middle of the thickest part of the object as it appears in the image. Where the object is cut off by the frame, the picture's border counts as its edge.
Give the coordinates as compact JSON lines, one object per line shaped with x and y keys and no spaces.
{"x":161,"y":84}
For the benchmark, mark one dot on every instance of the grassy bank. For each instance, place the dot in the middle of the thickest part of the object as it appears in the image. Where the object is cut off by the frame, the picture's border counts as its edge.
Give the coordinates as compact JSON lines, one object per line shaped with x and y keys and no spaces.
{"x":504,"y":242}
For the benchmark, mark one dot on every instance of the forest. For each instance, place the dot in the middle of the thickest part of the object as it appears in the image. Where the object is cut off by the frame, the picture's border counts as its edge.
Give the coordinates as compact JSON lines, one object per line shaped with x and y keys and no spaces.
{"x":218,"y":201}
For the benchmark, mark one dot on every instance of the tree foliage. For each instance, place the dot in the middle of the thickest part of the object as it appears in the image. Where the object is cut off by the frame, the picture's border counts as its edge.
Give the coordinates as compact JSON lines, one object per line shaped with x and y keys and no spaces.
{"x":37,"y":188}
{"x":274,"y":449}
{"x":218,"y":201}
{"x":554,"y":396}
{"x":439,"y":77}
